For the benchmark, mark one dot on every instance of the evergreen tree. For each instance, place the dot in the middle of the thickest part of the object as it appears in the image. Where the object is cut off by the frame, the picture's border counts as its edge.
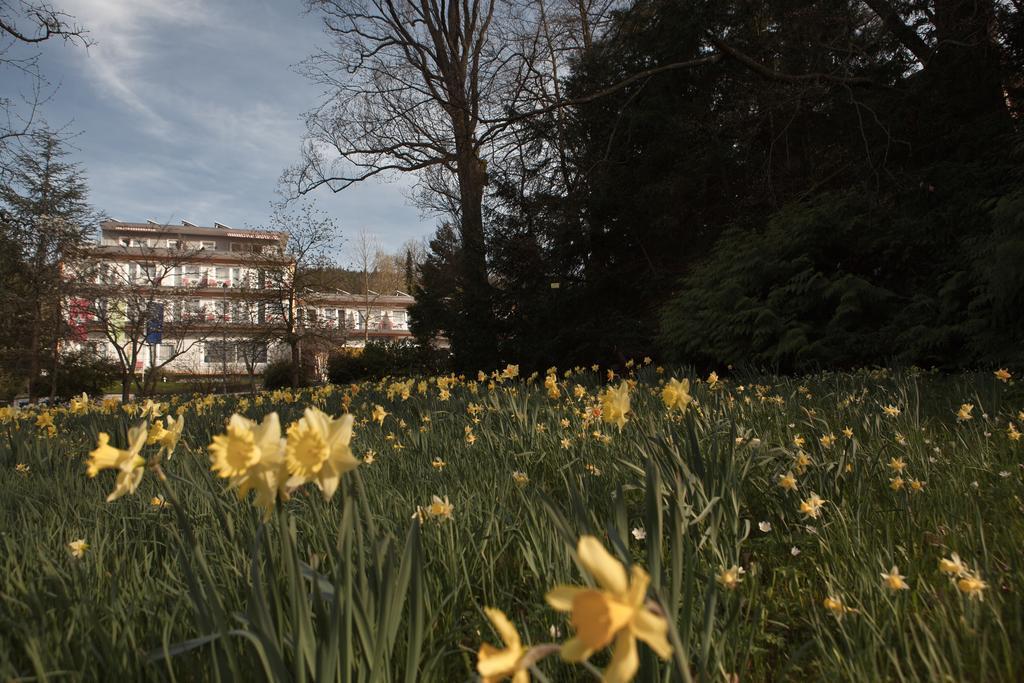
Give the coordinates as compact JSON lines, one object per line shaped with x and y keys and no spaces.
{"x":46,"y":220}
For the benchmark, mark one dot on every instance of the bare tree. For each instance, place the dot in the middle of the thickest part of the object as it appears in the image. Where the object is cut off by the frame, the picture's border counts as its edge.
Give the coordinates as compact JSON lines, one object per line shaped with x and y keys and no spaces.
{"x":410,"y":86}
{"x":25,"y":24}
{"x":135,"y":295}
{"x":288,"y":316}
{"x":368,"y":261}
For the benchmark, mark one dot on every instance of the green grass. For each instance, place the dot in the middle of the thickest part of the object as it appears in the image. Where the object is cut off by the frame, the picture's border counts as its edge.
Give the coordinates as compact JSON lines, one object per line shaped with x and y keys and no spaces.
{"x":355,"y":589}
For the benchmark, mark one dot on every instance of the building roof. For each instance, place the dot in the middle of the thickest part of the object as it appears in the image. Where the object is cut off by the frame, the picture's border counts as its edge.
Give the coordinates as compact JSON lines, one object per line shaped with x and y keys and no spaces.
{"x":186,"y":228}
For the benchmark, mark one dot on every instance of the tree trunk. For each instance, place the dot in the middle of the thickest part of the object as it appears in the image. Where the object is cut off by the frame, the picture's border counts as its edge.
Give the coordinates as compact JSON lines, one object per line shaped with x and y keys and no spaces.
{"x":126,"y":385}
{"x":33,"y":351}
{"x":474,"y":344}
{"x":296,"y":359}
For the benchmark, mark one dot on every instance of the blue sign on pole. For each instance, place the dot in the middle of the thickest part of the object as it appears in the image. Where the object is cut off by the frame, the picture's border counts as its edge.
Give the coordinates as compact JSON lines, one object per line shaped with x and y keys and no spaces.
{"x":155,"y":324}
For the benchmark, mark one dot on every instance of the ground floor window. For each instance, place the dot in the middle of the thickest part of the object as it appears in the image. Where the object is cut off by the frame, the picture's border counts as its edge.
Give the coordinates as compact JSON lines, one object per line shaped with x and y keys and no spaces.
{"x":235,"y":351}
{"x":218,"y":352}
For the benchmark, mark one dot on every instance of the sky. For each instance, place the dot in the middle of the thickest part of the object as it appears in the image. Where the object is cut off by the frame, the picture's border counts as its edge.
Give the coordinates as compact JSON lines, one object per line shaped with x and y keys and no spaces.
{"x":191,"y":109}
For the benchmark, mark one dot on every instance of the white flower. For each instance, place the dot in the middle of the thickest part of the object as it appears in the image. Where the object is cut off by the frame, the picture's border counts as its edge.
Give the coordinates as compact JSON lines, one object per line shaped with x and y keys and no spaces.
{"x":555,"y":632}
{"x":974,"y":484}
{"x":1004,"y":474}
{"x":794,"y":551}
{"x":639,"y":534}
{"x":755,"y":443}
{"x":765,"y":527}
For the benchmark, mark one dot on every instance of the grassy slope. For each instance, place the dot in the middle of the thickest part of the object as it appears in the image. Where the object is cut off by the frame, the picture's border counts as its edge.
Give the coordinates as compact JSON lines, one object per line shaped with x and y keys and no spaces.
{"x":508,"y":544}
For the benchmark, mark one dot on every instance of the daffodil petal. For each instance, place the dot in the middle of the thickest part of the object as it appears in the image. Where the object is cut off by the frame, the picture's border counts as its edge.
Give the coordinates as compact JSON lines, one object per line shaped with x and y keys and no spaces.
{"x":561,"y":596}
{"x":653,"y":630}
{"x":606,"y":570}
{"x":639,"y":582}
{"x":625,"y":660}
{"x":493,"y":662}
{"x":504,"y":627}
{"x":575,"y":650}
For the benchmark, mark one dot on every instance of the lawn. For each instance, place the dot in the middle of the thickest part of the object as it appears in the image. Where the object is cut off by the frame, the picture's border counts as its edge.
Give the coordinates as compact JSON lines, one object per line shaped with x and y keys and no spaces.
{"x":842,"y":526}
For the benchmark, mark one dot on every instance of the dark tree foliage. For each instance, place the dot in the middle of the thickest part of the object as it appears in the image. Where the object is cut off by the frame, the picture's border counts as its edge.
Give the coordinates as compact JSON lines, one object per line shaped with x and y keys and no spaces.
{"x":840,"y":188}
{"x":438,"y":295}
{"x":45,"y":220}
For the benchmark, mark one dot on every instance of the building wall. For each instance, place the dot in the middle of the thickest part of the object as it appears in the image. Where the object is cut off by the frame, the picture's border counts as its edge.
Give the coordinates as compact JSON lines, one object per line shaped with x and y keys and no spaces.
{"x":208,"y":280}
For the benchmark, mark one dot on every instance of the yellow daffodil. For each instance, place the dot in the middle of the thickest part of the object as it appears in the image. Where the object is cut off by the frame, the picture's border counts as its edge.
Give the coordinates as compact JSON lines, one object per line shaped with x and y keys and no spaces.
{"x":834,"y":604}
{"x":953,"y":566}
{"x":440,"y":508}
{"x":379,"y":414}
{"x":318,"y":450}
{"x":676,"y":394}
{"x":730,"y":578}
{"x":811,"y":507}
{"x":802,"y":462}
{"x":1003,"y":375}
{"x":964,"y":414}
{"x":551,"y":384}
{"x":972,"y":586}
{"x":1012,"y":432}
{"x":896,"y":483}
{"x":897,"y":464}
{"x":520,"y":478}
{"x":251,"y":456}
{"x":494,"y":664}
{"x":615,"y":405}
{"x":151,"y":409}
{"x":891,"y":410}
{"x":235,"y":451}
{"x":615,"y":612}
{"x":44,"y":420}
{"x":156,"y":432}
{"x":171,"y":435}
{"x":787,"y":481}
{"x":80,"y":404}
{"x":894,"y":581}
{"x":77,"y":548}
{"x":713,"y":380}
{"x":128,"y":462}
{"x":438,"y":464}
{"x":848,"y":432}
{"x":827,"y":440}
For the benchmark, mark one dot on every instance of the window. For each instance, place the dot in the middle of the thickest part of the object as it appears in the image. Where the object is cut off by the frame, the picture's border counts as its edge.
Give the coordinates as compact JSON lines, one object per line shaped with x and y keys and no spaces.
{"x":166,"y":352}
{"x":251,"y":352}
{"x":208,"y":245}
{"x":218,"y":352}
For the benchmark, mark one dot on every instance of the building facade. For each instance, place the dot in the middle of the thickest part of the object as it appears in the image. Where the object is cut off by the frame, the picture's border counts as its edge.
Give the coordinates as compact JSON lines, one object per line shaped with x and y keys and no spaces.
{"x":194,"y":300}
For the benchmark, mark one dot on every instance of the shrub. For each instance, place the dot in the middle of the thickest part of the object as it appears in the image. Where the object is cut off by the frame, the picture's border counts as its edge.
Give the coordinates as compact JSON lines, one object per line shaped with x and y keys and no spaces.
{"x":277,"y":375}
{"x":82,"y":371}
{"x":380,"y":359}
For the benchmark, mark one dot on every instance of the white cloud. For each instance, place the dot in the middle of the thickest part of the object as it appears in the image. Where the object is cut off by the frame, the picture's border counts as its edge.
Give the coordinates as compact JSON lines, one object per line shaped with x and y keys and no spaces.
{"x":125,"y":32}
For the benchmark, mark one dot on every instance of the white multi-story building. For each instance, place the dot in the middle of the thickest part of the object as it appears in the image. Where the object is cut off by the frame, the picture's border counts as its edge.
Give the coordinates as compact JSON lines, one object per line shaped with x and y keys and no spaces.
{"x":195,"y":300}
